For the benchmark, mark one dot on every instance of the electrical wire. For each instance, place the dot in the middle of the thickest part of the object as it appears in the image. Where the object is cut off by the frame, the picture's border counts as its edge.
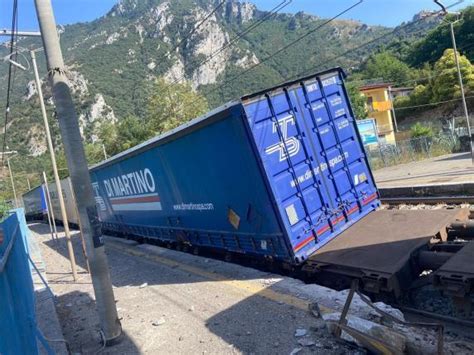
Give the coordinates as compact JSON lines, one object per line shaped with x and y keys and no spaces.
{"x":240,"y":35}
{"x":397,"y":29}
{"x":432,"y":104}
{"x":206,"y":18}
{"x":231,"y":43}
{"x":284,"y":48}
{"x":421,"y":79}
{"x":11,"y":73}
{"x":300,"y":74}
{"x":203,"y":21}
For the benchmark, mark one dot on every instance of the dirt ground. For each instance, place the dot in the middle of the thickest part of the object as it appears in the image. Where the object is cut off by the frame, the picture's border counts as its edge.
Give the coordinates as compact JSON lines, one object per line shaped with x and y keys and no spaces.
{"x":181,"y":306}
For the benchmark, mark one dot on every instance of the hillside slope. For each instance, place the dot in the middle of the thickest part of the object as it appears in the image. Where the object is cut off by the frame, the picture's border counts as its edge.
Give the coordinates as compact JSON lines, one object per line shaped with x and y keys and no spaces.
{"x":112,"y":61}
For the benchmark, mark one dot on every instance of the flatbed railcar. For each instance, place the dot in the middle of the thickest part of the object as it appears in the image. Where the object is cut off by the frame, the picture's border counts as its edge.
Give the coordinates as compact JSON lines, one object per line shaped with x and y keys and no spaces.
{"x":277,"y":174}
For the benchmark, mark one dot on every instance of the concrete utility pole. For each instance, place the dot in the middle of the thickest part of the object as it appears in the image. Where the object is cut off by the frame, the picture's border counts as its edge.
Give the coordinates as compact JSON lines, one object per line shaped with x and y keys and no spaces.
{"x":13,"y":183}
{"x":461,"y":84}
{"x":57,"y":181}
{"x":28,"y":182}
{"x":80,"y":178}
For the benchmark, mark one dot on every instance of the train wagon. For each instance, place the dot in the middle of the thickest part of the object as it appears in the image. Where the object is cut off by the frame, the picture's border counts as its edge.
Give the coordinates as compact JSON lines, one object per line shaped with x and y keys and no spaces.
{"x":278,"y":174}
{"x":69,"y":201}
{"x":35,"y":203}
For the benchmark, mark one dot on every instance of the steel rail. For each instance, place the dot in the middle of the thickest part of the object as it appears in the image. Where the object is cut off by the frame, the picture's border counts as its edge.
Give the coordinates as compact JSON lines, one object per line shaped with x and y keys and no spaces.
{"x":437,"y":316}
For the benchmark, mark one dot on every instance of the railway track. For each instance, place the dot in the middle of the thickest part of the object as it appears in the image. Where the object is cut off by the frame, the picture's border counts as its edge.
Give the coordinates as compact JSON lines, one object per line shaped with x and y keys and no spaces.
{"x":444,"y":319}
{"x":414,"y":312}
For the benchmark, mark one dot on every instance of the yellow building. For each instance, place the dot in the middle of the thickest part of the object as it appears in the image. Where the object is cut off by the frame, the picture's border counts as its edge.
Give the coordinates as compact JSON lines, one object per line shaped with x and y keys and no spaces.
{"x":379,"y":106}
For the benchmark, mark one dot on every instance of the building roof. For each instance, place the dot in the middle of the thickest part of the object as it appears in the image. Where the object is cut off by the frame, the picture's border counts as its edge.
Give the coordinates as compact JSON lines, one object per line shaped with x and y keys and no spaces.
{"x":374,"y":86}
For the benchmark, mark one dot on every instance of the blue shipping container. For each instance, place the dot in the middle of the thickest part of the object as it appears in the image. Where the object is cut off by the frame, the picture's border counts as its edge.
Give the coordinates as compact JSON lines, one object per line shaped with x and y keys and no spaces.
{"x":278,"y":173}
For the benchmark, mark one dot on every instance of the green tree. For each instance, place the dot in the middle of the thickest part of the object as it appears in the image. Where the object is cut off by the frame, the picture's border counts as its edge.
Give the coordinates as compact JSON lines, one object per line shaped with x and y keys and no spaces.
{"x":171,"y":105}
{"x":132,"y":131}
{"x":358,"y":101}
{"x":419,"y":130}
{"x":123,"y":135}
{"x":94,"y":153}
{"x":421,"y":94}
{"x":445,"y":85}
{"x":434,"y":43}
{"x":386,"y":66}
{"x":4,"y":208}
{"x":108,"y":136}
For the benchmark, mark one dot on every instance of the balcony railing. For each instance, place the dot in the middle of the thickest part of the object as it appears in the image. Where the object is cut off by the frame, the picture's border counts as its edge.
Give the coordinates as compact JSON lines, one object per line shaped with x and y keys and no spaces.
{"x":380,"y":106}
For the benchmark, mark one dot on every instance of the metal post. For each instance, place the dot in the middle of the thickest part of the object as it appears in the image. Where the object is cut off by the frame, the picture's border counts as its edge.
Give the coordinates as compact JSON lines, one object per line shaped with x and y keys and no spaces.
{"x":104,"y":151}
{"x":50,"y":205}
{"x":13,"y":183}
{"x":390,"y":96}
{"x":466,"y":112}
{"x":57,"y":181}
{"x":28,"y":182}
{"x":77,"y":163}
{"x":48,"y":213}
{"x":20,"y":33}
{"x":83,"y":242}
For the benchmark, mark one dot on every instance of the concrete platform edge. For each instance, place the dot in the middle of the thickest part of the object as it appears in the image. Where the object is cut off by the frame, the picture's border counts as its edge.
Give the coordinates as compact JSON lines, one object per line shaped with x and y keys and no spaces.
{"x":442,"y":190}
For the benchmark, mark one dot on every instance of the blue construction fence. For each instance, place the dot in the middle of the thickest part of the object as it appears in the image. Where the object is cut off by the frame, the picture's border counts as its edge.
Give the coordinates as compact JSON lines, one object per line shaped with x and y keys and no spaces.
{"x":18,"y":327}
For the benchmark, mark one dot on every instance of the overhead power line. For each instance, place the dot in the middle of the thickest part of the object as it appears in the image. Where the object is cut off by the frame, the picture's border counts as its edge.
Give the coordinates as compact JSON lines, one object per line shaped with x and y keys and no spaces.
{"x":356,"y":48}
{"x":431,"y":104}
{"x":11,"y":72}
{"x":193,"y":31}
{"x":421,"y":79}
{"x":239,"y":36}
{"x":284,"y":48}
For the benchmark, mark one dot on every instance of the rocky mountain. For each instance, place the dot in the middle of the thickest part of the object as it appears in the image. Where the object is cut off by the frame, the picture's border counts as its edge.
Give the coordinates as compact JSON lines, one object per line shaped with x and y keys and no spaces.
{"x":223,"y":48}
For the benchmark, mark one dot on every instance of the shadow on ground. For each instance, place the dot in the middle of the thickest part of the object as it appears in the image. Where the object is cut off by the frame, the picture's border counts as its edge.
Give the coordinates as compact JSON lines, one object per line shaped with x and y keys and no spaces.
{"x":120,"y":271}
{"x":201,"y":313}
{"x":80,"y":325}
{"x":460,"y":156}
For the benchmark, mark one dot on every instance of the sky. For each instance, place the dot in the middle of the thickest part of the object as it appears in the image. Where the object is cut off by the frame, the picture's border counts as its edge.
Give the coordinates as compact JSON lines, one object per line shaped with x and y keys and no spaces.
{"x":372,"y":12}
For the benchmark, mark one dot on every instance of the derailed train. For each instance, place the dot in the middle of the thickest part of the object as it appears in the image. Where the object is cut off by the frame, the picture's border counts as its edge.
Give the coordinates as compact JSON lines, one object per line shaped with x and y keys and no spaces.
{"x":277,"y":174}
{"x":36,"y":203}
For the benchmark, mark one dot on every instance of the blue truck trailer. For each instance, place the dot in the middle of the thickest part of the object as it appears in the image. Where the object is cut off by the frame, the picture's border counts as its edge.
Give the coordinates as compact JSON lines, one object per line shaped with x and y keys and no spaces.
{"x":277,"y":174}
{"x":35,"y":204}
